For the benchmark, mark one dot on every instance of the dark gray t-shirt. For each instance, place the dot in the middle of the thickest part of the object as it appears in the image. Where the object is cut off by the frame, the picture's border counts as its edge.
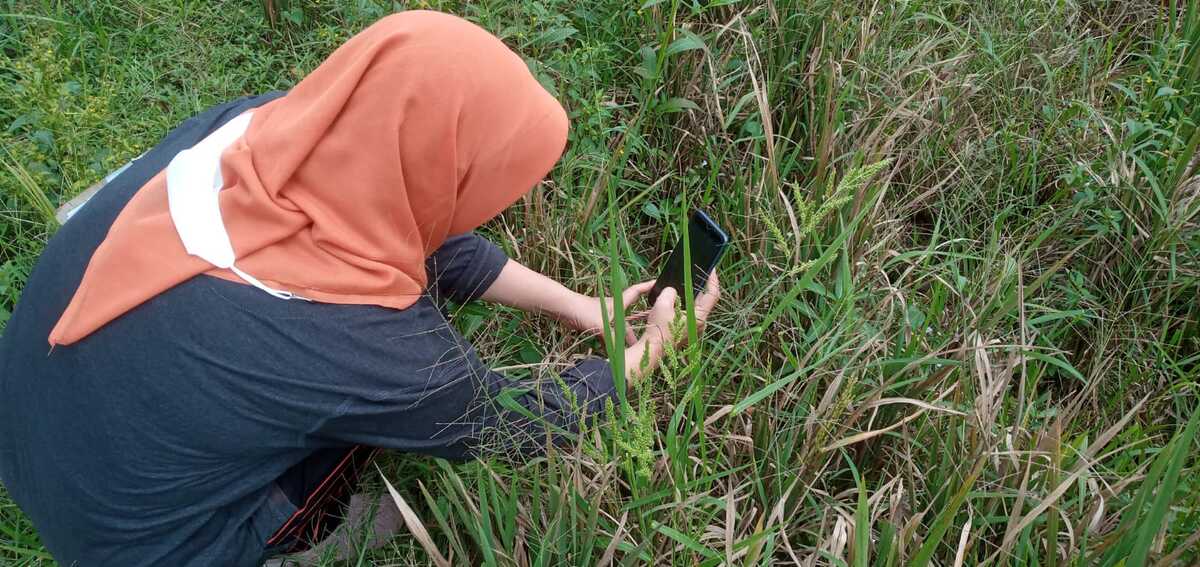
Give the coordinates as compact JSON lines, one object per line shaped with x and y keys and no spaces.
{"x":157,"y":439}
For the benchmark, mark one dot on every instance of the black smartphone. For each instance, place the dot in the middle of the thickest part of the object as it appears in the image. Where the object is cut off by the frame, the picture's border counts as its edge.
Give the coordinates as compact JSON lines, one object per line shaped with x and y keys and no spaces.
{"x":708,"y":244}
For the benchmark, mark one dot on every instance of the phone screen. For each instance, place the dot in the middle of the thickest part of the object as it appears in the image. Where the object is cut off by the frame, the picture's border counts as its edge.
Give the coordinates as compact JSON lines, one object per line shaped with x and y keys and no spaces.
{"x":708,"y":242}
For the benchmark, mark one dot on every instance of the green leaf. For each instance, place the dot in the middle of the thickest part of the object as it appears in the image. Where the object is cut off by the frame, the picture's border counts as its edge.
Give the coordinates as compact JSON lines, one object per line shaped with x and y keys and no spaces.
{"x":1148,"y":526}
{"x":1135,"y":127}
{"x":677,"y":104}
{"x":554,"y":35}
{"x":687,"y":42}
{"x":885,"y":554}
{"x":651,"y":210}
{"x":1165,"y":91}
{"x":946,"y":517}
{"x":648,"y":68}
{"x":687,"y":542}
{"x":29,"y":118}
{"x":862,"y":518}
{"x":1057,"y":363}
{"x":294,"y":15}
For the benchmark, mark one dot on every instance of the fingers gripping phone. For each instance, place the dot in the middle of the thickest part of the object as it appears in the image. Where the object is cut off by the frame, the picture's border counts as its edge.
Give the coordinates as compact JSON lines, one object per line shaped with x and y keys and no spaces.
{"x":708,"y":244}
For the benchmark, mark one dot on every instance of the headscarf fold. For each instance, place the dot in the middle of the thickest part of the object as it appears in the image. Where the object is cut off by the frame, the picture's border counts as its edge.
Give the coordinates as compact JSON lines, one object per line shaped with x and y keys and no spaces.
{"x":420,"y":127}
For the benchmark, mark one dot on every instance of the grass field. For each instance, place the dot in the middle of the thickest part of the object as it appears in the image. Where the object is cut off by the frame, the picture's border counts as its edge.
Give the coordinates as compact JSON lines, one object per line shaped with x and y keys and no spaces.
{"x":960,"y":316}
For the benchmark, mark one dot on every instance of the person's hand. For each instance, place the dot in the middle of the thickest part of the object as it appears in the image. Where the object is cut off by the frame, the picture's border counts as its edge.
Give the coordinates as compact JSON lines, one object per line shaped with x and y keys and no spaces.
{"x":644,"y":355}
{"x":663,"y":314}
{"x":584,"y":313}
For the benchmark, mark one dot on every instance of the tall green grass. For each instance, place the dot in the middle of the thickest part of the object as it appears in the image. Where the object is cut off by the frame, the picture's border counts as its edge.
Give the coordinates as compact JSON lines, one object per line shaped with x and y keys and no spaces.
{"x":959,"y":317}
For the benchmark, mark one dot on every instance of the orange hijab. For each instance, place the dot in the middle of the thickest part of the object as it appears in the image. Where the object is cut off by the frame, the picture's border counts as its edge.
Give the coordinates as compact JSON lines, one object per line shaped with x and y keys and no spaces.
{"x":422,"y":126}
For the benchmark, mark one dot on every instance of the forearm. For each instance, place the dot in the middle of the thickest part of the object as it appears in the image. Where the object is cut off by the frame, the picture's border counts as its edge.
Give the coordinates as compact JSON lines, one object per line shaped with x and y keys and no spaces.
{"x":527,"y":290}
